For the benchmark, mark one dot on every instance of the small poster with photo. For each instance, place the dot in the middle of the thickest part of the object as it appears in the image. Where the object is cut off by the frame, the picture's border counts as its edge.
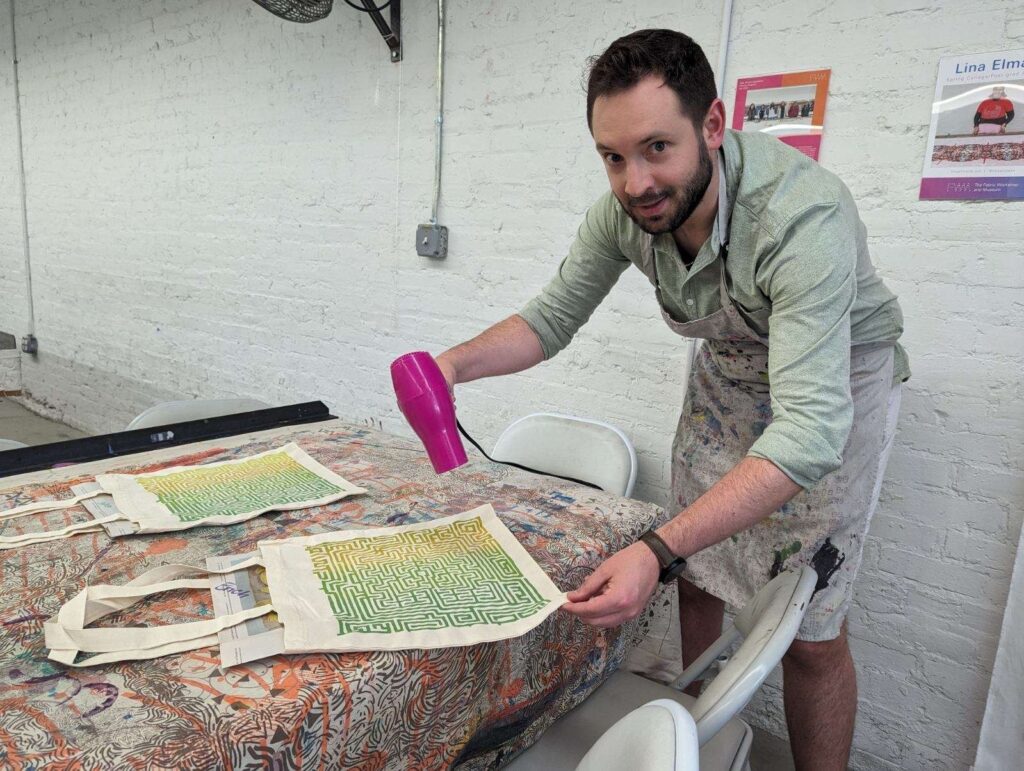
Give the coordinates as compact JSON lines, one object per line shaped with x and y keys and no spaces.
{"x":790,"y":106}
{"x":976,"y":141}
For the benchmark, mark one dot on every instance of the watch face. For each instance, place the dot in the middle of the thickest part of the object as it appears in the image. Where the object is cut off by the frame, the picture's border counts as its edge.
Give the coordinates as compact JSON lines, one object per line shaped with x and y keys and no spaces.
{"x":673,"y":571}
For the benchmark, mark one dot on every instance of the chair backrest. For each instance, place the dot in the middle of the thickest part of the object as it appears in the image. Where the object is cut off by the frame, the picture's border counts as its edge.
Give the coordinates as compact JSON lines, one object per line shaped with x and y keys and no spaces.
{"x":192,"y":409}
{"x":768,"y":623}
{"x":569,"y":446}
{"x":10,"y":444}
{"x":659,"y":736}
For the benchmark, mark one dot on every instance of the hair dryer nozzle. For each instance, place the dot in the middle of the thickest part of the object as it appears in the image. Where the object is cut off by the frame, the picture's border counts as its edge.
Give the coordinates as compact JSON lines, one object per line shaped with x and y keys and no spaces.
{"x":423,"y":398}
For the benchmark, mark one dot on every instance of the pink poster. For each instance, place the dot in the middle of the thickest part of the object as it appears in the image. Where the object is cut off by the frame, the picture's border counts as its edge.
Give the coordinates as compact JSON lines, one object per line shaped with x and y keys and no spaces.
{"x":790,"y":106}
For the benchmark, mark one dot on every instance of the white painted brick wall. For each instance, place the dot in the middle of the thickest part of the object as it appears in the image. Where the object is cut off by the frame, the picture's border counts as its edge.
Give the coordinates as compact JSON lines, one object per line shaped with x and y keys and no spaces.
{"x":10,"y":372}
{"x":222,"y":203}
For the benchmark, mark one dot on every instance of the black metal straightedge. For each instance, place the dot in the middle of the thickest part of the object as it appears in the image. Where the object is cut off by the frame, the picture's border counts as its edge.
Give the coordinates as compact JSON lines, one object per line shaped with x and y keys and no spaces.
{"x":90,"y":448}
{"x":392,"y":34}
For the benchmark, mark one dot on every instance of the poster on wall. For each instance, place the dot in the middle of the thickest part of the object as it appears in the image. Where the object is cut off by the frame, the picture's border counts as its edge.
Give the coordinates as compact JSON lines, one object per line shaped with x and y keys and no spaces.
{"x":790,"y":106}
{"x":976,"y":141}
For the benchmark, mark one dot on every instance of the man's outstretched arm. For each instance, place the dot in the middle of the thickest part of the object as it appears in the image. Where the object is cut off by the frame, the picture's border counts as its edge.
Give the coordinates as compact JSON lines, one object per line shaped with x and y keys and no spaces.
{"x":621,"y":586}
{"x":508,"y":346}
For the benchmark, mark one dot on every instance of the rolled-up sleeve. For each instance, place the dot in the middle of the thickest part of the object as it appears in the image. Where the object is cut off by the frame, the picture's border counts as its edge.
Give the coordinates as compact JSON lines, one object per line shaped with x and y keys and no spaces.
{"x":810,"y":278}
{"x":583,"y":280}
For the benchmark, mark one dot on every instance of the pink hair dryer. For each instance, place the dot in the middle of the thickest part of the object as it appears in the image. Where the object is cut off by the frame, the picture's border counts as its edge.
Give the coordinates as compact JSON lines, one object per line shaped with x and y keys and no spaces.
{"x":424,"y":400}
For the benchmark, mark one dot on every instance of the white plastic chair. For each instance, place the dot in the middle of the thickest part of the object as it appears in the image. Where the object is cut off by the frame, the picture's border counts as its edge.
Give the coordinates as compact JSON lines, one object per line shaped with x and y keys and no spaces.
{"x":569,"y":446}
{"x":768,"y":623}
{"x":659,"y":736}
{"x":10,"y":444}
{"x":192,"y":409}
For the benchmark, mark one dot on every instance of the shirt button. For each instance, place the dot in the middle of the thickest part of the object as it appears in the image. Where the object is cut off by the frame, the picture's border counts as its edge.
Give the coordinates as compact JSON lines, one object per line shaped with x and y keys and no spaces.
{"x":690,"y":301}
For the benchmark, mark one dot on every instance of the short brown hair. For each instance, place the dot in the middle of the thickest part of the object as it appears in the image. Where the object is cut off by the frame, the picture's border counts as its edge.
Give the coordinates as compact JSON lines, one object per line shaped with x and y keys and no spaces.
{"x":671,"y":55}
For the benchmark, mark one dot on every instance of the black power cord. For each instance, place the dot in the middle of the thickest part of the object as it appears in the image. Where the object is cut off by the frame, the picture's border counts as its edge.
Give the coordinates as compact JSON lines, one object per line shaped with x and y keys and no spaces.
{"x":473,"y":442}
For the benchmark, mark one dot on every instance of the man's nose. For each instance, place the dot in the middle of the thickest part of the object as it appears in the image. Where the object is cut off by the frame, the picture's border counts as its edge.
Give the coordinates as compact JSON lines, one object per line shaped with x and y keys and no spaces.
{"x":638,"y":179}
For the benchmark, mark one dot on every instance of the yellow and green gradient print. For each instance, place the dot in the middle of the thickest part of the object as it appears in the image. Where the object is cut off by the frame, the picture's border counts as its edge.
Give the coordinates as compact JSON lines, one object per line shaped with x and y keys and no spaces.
{"x":451,"y":576}
{"x":232,"y":489}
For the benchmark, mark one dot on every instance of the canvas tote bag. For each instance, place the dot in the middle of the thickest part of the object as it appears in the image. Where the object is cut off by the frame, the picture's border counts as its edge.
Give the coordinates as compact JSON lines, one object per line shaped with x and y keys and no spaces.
{"x":458,"y":580}
{"x":183,"y":497}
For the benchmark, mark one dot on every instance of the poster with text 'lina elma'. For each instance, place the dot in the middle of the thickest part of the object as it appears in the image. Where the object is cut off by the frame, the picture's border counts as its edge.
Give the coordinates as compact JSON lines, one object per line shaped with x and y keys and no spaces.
{"x":976,"y":142}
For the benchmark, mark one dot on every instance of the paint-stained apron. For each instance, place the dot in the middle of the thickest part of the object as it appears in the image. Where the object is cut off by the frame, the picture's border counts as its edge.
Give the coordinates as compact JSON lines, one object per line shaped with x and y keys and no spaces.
{"x":726,"y":408}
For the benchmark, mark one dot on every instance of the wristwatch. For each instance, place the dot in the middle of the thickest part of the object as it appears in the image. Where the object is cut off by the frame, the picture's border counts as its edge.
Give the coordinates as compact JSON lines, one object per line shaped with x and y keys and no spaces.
{"x":671,"y":564}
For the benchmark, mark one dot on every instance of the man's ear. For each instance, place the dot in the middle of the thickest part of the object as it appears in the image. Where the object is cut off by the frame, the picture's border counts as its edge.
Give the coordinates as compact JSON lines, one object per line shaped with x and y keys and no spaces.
{"x":713,"y":127}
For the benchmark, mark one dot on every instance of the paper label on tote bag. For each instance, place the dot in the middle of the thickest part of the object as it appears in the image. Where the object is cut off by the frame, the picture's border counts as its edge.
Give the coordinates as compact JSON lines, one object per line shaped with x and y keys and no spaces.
{"x":242,"y":590}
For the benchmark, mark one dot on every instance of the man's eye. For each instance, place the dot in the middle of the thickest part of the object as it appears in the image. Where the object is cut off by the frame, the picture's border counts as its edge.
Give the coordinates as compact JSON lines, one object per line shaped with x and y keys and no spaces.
{"x":659,"y":147}
{"x":612,"y":157}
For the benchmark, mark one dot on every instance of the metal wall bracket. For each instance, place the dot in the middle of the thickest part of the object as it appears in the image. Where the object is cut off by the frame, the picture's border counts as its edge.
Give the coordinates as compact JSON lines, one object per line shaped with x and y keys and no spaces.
{"x":392,"y":34}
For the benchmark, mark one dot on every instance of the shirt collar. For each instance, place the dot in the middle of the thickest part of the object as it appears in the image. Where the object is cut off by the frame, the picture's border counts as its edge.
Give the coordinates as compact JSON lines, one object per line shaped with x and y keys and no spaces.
{"x":724,"y":208}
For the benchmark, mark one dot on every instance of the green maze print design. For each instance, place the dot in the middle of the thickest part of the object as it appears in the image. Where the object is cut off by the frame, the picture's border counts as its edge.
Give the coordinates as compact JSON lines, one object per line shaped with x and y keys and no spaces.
{"x":455,"y":575}
{"x":237,"y":488}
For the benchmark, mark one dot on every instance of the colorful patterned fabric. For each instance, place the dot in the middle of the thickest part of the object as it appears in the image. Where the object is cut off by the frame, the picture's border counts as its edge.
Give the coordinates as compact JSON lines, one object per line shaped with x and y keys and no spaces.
{"x":976,"y":152}
{"x":471,"y":706}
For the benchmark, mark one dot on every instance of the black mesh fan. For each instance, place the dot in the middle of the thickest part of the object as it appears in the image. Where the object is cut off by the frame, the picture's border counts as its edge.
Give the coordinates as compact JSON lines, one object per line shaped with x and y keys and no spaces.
{"x":298,"y":10}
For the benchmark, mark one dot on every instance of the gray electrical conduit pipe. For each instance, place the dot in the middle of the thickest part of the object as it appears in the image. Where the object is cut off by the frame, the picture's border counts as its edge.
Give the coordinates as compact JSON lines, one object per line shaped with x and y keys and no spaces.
{"x":21,"y":180}
{"x":723,"y":59}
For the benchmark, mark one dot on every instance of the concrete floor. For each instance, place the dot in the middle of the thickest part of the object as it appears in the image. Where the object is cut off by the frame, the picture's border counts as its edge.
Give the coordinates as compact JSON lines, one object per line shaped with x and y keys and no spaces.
{"x":16,"y":422}
{"x":770,"y":753}
{"x":21,"y":425}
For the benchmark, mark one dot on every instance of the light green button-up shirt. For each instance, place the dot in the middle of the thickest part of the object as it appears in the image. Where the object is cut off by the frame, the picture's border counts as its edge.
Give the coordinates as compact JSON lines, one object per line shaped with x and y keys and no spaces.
{"x":798,"y":270}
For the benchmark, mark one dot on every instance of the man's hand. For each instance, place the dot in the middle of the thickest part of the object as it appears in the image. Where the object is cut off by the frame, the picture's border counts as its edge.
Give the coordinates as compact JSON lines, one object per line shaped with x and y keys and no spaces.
{"x":618,"y":590}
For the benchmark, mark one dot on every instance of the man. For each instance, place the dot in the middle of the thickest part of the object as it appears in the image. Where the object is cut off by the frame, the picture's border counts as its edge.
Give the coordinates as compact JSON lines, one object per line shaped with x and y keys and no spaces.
{"x":790,"y":406}
{"x":993,"y":114}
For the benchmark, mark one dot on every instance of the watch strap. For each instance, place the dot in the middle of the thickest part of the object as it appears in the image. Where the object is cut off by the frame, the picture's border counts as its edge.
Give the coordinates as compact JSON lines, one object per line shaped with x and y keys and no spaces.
{"x":671,"y":564}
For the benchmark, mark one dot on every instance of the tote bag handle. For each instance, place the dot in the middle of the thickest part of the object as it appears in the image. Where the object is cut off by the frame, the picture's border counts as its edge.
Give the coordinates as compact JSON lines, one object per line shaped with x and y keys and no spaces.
{"x":67,"y":634}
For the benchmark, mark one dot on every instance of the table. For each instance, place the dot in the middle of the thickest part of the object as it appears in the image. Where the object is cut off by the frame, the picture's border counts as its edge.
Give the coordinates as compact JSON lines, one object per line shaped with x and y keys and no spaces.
{"x":474,"y":707}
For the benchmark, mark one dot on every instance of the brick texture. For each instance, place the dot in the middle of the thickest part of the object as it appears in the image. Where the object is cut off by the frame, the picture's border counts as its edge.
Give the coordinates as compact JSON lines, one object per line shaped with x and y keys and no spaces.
{"x":224,"y":204}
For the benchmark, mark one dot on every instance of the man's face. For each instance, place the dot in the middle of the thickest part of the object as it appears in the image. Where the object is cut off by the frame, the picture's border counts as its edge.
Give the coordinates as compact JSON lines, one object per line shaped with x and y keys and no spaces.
{"x":656,"y":159}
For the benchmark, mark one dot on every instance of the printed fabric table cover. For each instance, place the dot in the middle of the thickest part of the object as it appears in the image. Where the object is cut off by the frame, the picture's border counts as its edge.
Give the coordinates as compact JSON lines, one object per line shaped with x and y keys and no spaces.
{"x":472,"y":707}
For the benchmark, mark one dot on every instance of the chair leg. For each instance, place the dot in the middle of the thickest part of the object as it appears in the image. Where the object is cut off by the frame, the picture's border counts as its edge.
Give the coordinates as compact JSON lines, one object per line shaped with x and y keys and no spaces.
{"x":742,"y":760}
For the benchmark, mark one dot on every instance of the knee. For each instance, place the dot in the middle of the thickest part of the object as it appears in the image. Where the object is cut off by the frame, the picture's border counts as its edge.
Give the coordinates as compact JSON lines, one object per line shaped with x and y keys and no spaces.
{"x":824,"y":655}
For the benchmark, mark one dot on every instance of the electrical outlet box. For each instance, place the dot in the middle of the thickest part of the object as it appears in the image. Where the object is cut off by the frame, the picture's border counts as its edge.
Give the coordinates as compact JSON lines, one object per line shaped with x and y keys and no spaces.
{"x":432,"y":241}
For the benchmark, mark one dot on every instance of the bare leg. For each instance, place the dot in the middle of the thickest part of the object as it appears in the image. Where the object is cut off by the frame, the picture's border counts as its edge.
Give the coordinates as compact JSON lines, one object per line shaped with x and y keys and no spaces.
{"x":700,"y":624}
{"x":820,"y":690}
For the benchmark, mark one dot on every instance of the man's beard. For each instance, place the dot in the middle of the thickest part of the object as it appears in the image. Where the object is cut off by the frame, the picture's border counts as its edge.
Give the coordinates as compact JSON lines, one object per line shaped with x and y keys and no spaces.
{"x":687,"y":197}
